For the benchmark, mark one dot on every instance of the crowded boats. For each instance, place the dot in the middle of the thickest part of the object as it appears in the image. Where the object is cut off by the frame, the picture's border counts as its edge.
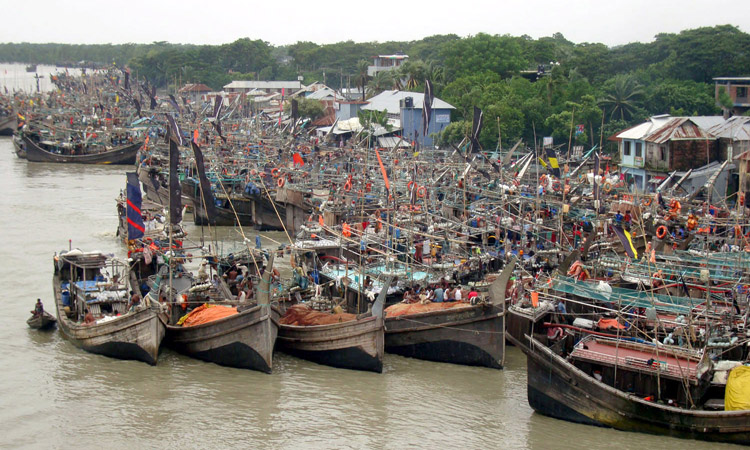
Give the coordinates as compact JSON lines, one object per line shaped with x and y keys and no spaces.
{"x":630,"y":303}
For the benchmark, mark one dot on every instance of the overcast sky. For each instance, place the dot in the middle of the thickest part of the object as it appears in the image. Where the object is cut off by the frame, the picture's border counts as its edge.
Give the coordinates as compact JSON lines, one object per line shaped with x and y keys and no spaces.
{"x":612,"y":22}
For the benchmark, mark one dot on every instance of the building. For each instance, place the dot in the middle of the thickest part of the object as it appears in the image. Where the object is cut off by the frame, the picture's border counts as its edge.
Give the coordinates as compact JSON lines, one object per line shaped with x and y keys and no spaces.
{"x":386,"y":62}
{"x":269,"y":87}
{"x":345,"y":110}
{"x":733,"y":135}
{"x":664,"y":144}
{"x":406,"y":107}
{"x":737,"y":88}
{"x":194,"y":92}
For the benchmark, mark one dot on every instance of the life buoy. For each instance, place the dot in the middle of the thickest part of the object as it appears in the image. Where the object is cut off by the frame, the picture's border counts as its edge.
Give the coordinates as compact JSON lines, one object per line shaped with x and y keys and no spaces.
{"x":421,"y":192}
{"x":409,"y":185}
{"x":275,"y":172}
{"x":556,"y":185}
{"x":280,"y":182}
{"x":348,"y":186}
{"x":607,"y":187}
{"x":647,"y":201}
{"x":661,"y":232}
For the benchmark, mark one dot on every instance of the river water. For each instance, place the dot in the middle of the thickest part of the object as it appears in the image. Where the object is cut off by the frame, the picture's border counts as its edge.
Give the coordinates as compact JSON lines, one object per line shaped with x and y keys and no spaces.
{"x":54,"y":395}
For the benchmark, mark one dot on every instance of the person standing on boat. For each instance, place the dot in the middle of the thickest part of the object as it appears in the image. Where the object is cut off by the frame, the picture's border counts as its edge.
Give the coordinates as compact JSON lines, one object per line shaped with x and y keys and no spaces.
{"x":135,"y":301}
{"x":38,"y":308}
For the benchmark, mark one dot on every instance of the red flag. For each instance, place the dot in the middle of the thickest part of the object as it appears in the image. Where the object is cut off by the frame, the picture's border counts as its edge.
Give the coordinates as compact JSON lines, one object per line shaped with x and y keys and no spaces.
{"x":382,"y":170}
{"x":297,"y":158}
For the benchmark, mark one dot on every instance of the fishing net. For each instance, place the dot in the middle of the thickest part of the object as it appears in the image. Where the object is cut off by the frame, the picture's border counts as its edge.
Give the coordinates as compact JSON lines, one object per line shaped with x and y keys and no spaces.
{"x":405,"y":309}
{"x":206,"y":313}
{"x":302,"y":315}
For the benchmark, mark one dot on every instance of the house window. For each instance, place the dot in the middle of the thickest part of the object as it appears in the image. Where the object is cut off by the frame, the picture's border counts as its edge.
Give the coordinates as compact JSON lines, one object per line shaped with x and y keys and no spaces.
{"x":638,"y":150}
{"x":663,"y":153}
{"x":626,"y":148}
{"x":741,"y":91}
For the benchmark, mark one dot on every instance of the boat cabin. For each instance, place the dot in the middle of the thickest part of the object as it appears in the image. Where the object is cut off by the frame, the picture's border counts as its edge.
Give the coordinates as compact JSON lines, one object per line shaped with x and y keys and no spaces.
{"x":645,"y":370}
{"x":91,"y":281}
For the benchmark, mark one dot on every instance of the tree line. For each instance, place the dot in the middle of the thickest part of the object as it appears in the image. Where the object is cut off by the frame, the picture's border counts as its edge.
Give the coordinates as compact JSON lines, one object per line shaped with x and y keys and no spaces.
{"x":595,"y":88}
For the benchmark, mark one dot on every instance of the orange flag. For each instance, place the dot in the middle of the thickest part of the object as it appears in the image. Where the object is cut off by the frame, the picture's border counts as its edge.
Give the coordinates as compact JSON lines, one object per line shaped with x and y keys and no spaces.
{"x":196,"y":135}
{"x":320,"y":220}
{"x":382,"y":170}
{"x":297,"y":158}
{"x":535,"y":299}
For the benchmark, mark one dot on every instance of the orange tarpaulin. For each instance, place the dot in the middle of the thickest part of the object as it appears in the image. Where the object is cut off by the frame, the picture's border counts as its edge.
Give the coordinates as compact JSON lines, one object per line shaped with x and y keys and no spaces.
{"x":404,"y":309}
{"x":605,"y":324}
{"x":304,"y":315}
{"x":207,"y":313}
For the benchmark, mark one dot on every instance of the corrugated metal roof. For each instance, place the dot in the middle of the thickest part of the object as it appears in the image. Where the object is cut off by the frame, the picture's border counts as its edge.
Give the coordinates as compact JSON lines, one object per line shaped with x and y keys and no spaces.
{"x":646,"y":128}
{"x":390,"y":100}
{"x":653,"y":128}
{"x":392,"y":142}
{"x":677,"y":128}
{"x":249,"y":84}
{"x":195,"y":88}
{"x":707,"y":122}
{"x":736,"y":128}
{"x":321,"y":94}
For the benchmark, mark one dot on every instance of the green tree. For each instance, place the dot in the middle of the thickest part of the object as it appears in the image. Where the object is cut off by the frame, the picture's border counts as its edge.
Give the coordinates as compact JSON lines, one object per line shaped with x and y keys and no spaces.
{"x":307,"y":108}
{"x":382,"y":81}
{"x":623,"y":96}
{"x":694,"y":98}
{"x":362,"y":77}
{"x":483,"y":52}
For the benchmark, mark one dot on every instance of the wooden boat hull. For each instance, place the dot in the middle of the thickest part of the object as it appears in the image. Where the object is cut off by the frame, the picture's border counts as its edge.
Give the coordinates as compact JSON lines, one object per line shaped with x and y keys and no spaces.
{"x":7,"y":125}
{"x":44,"y":322}
{"x":19,"y":147}
{"x":244,"y":340}
{"x":357,"y":344}
{"x":523,"y":321}
{"x":471,"y":336}
{"x":121,"y":155}
{"x":255,"y":210}
{"x":558,"y":389}
{"x":135,"y":335}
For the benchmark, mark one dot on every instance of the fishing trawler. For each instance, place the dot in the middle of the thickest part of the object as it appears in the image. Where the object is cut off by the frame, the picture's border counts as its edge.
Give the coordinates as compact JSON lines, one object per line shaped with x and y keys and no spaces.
{"x":95,"y":309}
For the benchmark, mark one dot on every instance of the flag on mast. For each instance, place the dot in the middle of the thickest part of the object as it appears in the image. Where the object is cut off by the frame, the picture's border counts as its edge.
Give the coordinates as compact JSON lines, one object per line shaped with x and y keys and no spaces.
{"x":175,"y":192}
{"x":134,"y":200}
{"x":429,"y":97}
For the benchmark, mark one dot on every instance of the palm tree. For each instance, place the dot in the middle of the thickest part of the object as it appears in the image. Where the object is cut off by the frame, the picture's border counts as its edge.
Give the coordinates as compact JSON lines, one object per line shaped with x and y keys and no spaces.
{"x":362,"y":77}
{"x":623,"y":97}
{"x":434,"y":72}
{"x":413,"y":72}
{"x":382,"y":81}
